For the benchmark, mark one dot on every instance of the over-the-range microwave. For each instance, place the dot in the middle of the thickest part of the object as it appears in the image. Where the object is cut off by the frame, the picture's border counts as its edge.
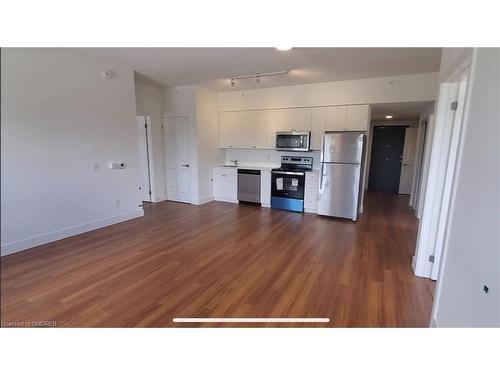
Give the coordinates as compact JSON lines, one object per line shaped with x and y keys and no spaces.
{"x":293,"y":141}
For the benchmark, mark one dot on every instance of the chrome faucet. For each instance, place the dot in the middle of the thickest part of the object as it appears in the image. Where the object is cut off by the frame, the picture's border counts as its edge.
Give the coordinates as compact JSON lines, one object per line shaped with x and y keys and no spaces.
{"x":235,"y":162}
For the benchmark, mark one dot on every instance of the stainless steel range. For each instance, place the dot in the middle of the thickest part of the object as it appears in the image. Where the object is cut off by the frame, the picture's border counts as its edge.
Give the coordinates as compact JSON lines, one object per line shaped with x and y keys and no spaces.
{"x":288,"y":183}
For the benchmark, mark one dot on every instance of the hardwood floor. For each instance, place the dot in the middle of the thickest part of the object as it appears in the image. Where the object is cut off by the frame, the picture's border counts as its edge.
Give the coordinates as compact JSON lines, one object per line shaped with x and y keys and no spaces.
{"x":226,"y":260}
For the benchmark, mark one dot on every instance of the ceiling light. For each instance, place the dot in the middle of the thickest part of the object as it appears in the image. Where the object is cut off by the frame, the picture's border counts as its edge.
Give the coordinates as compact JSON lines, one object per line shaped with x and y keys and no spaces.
{"x":256,"y":76}
{"x":284,"y":48}
{"x":388,"y":117}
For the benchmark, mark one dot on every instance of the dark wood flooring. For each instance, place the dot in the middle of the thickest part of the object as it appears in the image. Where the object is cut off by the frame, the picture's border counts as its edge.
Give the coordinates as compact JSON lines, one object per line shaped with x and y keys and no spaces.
{"x":226,"y":260}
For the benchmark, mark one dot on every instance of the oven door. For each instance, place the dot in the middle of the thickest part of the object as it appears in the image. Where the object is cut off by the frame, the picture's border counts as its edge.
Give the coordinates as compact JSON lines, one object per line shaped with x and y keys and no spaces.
{"x":292,"y":141}
{"x":288,"y":184}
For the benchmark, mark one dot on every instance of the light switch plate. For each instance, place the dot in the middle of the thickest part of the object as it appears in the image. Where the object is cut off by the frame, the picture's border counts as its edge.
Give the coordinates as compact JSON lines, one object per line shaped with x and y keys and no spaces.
{"x":121,"y":165}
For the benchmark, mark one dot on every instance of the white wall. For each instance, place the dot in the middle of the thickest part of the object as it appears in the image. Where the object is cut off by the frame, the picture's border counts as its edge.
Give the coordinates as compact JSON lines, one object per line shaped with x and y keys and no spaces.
{"x":149,"y":102}
{"x":209,"y":154}
{"x":59,"y":116}
{"x":471,"y":256}
{"x":417,"y":87}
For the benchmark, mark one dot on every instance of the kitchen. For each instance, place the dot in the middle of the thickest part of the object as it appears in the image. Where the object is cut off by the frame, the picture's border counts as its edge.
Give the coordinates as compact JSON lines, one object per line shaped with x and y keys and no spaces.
{"x":290,"y":140}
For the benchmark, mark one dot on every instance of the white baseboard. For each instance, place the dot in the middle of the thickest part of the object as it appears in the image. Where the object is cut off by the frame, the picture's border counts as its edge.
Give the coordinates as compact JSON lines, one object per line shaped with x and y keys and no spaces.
{"x":200,"y":201}
{"x":20,"y":245}
{"x":159,"y":199}
{"x":225,"y":200}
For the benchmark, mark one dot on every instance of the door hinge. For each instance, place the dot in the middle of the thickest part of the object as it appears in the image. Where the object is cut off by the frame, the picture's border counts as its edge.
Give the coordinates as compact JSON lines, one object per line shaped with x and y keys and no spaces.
{"x":145,"y":125}
{"x":431,"y":258}
{"x":150,"y":192}
{"x":454,"y":106}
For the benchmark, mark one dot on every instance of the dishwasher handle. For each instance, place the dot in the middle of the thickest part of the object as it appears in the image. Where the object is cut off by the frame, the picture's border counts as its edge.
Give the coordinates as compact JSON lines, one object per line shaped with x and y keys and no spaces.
{"x":248,"y":171}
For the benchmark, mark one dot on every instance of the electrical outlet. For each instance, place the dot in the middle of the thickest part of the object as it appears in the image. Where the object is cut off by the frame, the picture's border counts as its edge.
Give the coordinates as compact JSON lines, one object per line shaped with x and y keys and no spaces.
{"x":117,"y":202}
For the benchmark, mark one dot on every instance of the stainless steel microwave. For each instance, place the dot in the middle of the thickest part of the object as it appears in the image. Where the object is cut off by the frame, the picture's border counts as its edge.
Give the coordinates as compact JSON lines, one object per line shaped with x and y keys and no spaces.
{"x":293,"y":141}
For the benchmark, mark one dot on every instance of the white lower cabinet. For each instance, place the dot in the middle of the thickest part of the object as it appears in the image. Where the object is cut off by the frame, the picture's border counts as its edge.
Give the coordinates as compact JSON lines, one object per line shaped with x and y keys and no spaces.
{"x":226,"y":184}
{"x":311,"y":192}
{"x":265,"y":188}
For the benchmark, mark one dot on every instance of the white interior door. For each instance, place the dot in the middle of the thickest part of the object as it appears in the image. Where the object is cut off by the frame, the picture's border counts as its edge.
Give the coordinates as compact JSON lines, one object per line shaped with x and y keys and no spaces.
{"x":144,"y":167}
{"x":176,"y":133}
{"x":446,"y":136}
{"x":408,"y":162}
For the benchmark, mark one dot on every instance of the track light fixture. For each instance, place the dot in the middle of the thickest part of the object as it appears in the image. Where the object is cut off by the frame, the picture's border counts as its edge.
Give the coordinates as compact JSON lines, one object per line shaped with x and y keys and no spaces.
{"x":255,"y":76}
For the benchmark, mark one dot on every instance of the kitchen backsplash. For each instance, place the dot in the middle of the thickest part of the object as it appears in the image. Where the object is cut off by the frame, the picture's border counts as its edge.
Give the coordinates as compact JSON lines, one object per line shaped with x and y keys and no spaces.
{"x":265,"y":157}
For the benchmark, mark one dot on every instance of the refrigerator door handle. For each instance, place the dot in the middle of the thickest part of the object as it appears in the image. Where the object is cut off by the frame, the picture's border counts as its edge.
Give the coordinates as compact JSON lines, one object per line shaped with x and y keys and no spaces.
{"x":321,"y":179}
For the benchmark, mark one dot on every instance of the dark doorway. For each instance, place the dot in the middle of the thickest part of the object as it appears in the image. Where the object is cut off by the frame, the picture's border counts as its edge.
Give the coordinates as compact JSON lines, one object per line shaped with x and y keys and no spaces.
{"x":387,"y":153}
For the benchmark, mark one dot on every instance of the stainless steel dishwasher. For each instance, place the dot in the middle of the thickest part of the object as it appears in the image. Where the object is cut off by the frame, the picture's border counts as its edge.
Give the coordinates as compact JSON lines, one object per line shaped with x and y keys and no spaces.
{"x":249,"y":185}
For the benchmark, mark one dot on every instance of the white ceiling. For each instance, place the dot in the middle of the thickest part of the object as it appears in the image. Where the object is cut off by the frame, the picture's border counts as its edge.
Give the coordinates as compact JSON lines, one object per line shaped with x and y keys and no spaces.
{"x":211,"y":67}
{"x":399,"y":111}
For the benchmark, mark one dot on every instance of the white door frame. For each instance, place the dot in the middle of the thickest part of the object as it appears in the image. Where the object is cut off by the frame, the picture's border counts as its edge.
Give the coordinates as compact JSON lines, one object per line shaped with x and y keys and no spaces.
{"x":419,"y":156}
{"x":438,"y":191}
{"x":150,"y":160}
{"x":424,"y":169}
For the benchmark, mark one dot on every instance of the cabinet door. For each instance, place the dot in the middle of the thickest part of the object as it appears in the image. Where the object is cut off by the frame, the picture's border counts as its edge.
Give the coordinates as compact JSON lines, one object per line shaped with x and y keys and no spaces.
{"x":265,"y":188}
{"x":298,"y":119}
{"x":230,"y":124}
{"x":336,"y":118}
{"x":218,"y":185}
{"x":318,"y":117}
{"x":248,"y":131}
{"x":225,"y":186}
{"x":265,"y":129}
{"x":358,"y":117}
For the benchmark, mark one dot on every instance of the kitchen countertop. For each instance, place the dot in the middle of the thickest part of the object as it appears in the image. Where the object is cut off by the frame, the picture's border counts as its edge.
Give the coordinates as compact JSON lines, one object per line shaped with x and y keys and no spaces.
{"x":262,"y":167}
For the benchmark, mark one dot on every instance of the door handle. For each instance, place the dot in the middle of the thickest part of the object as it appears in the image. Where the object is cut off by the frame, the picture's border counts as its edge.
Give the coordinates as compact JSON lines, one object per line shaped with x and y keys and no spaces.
{"x":185,"y":165}
{"x":321,"y":180}
{"x":406,"y":165}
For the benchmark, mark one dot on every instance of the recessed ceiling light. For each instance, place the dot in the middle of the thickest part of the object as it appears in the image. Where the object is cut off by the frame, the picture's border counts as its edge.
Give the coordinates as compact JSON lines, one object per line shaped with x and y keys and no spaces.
{"x":388,"y":116}
{"x":283,"y":48}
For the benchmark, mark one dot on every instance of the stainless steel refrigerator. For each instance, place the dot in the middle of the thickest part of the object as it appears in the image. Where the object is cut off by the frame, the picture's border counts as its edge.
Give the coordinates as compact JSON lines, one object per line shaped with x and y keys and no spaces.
{"x":341,"y":175}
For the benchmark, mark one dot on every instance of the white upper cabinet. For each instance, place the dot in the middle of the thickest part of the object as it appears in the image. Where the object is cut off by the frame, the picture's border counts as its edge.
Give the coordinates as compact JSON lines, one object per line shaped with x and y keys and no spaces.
{"x":257,"y":129}
{"x":350,"y":117}
{"x":265,"y":129}
{"x":298,"y":119}
{"x":318,"y":117}
{"x":358,"y":117}
{"x":230,"y":124}
{"x":336,"y":118}
{"x":247,"y":129}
